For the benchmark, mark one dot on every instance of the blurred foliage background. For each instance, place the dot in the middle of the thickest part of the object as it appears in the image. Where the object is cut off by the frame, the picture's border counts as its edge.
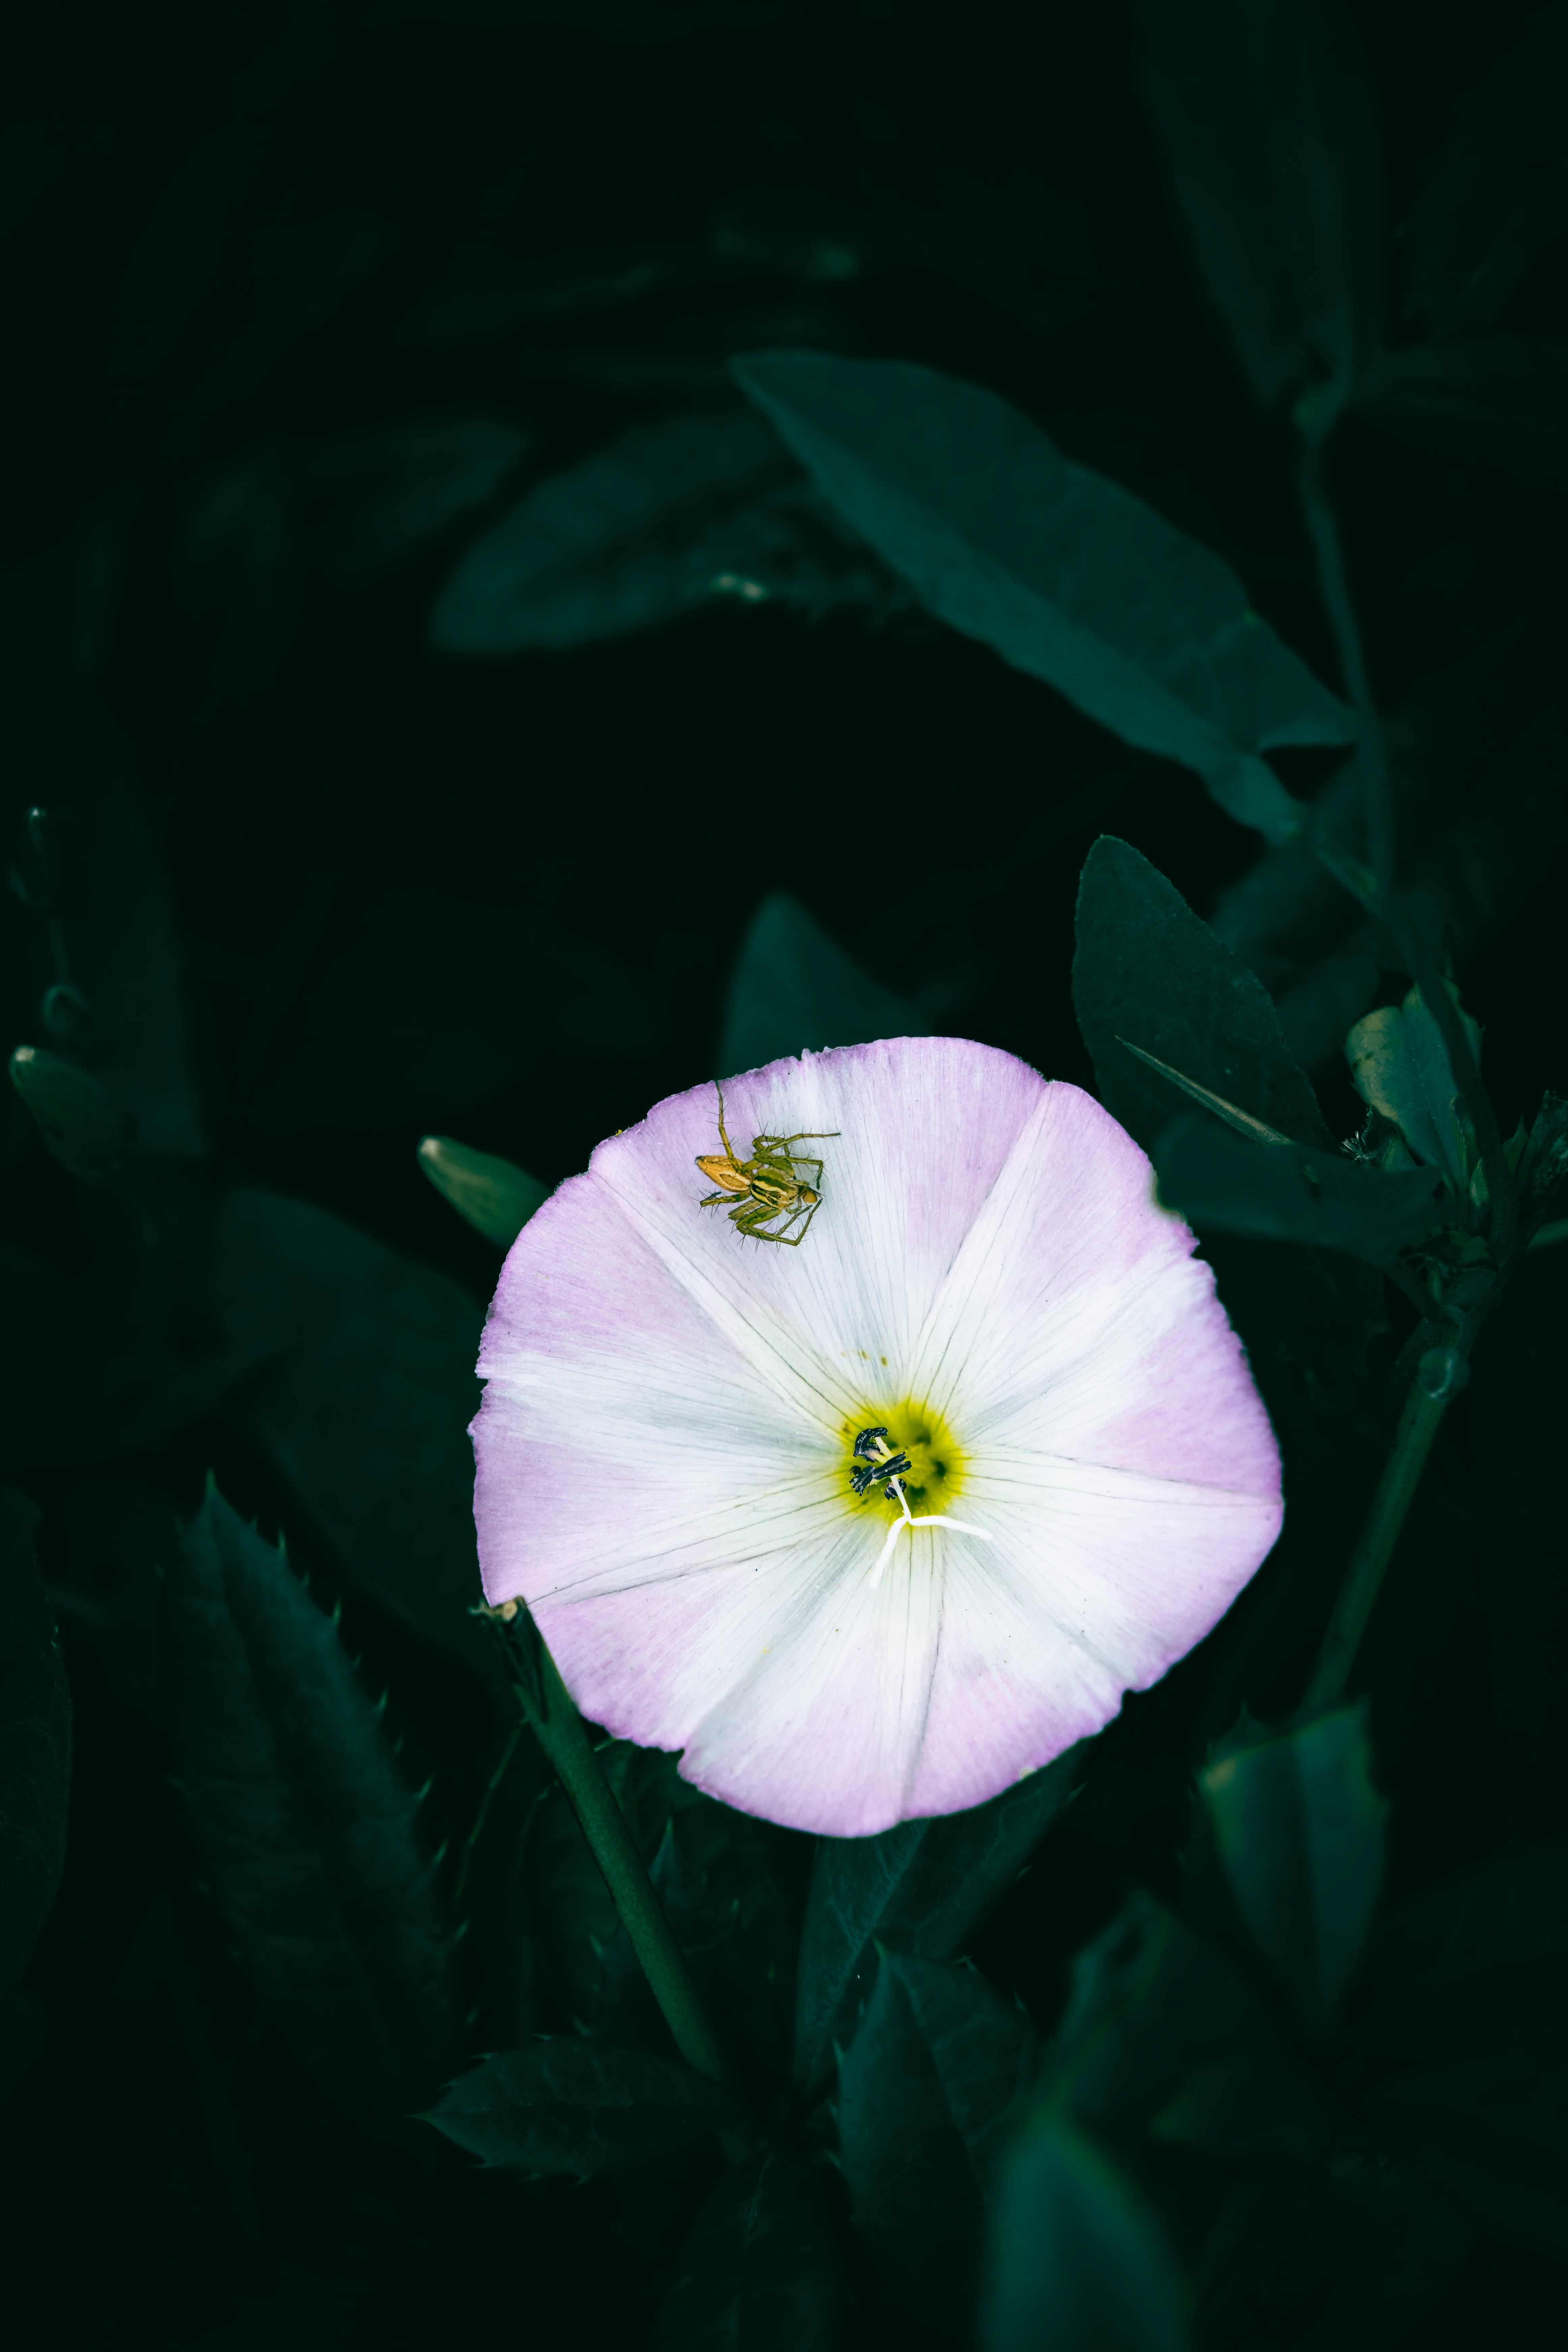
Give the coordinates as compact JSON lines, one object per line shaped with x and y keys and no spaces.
{"x":453,"y":710}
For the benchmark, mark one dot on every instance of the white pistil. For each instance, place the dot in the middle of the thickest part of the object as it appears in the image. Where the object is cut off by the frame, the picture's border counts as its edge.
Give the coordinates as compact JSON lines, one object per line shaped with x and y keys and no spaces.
{"x":895,"y":1486}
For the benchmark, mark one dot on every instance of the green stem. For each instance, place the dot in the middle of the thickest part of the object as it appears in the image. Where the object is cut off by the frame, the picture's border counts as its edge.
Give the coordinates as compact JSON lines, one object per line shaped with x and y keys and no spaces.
{"x":563,"y":1737}
{"x":1395,"y":1492}
{"x":1323,"y":531}
{"x":1372,"y":753}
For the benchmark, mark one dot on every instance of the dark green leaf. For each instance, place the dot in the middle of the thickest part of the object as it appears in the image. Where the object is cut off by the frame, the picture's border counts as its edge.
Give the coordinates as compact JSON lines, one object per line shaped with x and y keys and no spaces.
{"x":1473,"y":746}
{"x":34,"y":1742}
{"x":926,"y":2087}
{"x":1160,"y":2034}
{"x":82,"y":1122}
{"x":307,"y":1833}
{"x":395,"y":489}
{"x":1498,"y":192}
{"x":759,"y":2273}
{"x":1062,"y":571}
{"x":489,"y":1193}
{"x":606,"y":547}
{"x":789,"y":547}
{"x":1148,"y":974}
{"x":564,"y":2104}
{"x":922,"y":1885}
{"x":711,"y":1876}
{"x":1075,"y":2262}
{"x":583,"y":1959}
{"x":1468,"y":1982}
{"x":363,"y":1395}
{"x":1288,"y":909}
{"x":1267,"y":111}
{"x":794,"y":989}
{"x":1278,"y":1193}
{"x":439,"y":1004}
{"x":1500,"y":396}
{"x":1400,"y":1065}
{"x":1299,"y":1832}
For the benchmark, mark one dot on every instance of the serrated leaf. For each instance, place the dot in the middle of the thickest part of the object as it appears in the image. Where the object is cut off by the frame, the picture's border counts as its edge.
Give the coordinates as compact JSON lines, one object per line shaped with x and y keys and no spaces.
{"x":922,"y":1885}
{"x":1222,"y":1183}
{"x":571,"y":1918}
{"x":306,"y":1830}
{"x":1267,"y":111}
{"x":936,"y":2066}
{"x":362,"y":1394}
{"x":1062,"y":571}
{"x":1160,"y":2033}
{"x":34,"y":1742}
{"x":794,"y":989}
{"x":1150,"y":976}
{"x":1075,"y":2261}
{"x":564,"y":2104}
{"x":1497,"y":193}
{"x":712,"y":1876}
{"x":759,"y":2271}
{"x":1300,"y":1829}
{"x":605,"y":547}
{"x":1401,"y":1069}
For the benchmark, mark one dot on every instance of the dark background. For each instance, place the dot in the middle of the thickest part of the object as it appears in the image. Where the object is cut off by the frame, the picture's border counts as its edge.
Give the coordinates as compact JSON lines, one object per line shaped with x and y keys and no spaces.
{"x":242,"y":247}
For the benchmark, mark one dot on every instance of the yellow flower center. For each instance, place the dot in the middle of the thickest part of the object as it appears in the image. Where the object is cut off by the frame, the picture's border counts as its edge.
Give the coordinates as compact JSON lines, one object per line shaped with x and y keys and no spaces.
{"x":934,"y":1478}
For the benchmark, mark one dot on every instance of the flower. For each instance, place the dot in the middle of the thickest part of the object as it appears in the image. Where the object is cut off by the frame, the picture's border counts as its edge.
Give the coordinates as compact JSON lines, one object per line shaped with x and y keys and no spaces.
{"x":683,"y":1449}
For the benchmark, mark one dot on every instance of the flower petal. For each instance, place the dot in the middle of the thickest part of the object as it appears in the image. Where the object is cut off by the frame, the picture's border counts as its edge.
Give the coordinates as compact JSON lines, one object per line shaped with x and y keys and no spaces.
{"x":660,"y":1453}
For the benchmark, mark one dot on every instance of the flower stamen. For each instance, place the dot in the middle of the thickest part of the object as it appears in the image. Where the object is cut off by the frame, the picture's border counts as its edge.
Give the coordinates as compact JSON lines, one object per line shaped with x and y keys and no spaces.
{"x":886,"y":1464}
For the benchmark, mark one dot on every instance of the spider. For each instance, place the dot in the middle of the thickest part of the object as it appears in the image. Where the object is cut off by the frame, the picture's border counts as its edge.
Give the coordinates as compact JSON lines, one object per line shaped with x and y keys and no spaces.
{"x":765,"y":1186}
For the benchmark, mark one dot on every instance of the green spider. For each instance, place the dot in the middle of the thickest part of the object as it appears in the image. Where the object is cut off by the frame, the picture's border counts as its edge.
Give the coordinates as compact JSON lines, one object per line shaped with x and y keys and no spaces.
{"x":765,"y":1186}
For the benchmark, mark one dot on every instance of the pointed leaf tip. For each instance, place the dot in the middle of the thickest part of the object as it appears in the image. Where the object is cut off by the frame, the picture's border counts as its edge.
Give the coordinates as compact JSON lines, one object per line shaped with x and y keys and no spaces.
{"x":489,"y":1192}
{"x":1059,"y":570}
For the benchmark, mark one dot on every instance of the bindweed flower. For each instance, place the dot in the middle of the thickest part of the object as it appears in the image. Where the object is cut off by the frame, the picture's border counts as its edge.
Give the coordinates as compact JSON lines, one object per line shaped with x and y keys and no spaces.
{"x":871,"y":1526}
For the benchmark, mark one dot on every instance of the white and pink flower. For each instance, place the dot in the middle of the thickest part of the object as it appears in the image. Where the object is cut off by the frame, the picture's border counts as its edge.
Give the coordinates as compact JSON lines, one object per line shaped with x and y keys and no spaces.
{"x":666,"y":1462}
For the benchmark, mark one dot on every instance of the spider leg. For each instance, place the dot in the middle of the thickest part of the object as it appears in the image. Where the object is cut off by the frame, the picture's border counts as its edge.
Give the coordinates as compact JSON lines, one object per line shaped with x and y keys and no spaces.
{"x":806,"y":1135}
{"x":789,"y":1240}
{"x":753,"y":1215}
{"x":723,"y":1137}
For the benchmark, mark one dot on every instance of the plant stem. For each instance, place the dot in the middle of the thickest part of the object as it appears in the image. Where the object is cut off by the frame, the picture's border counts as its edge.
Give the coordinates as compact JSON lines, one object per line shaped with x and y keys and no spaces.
{"x":563,"y":1737}
{"x":1383,"y":902}
{"x":1323,"y":531}
{"x":1396,"y":1491}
